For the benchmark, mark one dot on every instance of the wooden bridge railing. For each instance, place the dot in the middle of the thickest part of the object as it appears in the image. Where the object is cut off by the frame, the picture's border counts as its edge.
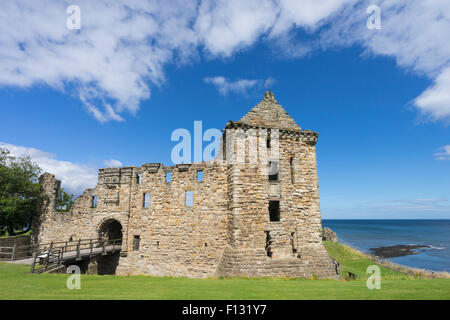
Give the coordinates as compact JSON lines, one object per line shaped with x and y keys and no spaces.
{"x":15,"y":252}
{"x":54,"y":253}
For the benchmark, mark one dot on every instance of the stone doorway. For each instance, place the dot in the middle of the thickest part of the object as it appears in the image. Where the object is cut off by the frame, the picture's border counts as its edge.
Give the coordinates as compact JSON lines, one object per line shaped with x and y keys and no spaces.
{"x":110,"y":229}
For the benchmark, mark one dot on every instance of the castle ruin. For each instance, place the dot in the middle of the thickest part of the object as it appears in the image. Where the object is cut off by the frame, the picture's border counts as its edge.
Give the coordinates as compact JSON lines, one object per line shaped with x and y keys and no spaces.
{"x":215,"y":218}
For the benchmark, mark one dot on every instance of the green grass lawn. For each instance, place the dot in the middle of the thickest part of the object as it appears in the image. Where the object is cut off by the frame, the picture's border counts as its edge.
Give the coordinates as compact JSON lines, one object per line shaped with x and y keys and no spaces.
{"x":15,"y":283}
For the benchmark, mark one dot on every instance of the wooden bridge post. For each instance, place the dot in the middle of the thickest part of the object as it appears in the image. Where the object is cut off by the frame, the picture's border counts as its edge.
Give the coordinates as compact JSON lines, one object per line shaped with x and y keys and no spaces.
{"x":33,"y":262}
{"x":60,"y":255}
{"x":104,"y":248}
{"x":48,"y":254}
{"x":78,"y":249}
{"x":13,"y":253}
{"x":91,"y":245}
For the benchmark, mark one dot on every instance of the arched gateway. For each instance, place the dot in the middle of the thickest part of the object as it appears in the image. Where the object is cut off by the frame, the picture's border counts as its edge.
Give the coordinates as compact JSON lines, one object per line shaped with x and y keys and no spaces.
{"x":109,"y":229}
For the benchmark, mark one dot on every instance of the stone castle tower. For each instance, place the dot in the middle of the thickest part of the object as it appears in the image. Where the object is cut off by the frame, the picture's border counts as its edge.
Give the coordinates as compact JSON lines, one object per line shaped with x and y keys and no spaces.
{"x":254,"y":211}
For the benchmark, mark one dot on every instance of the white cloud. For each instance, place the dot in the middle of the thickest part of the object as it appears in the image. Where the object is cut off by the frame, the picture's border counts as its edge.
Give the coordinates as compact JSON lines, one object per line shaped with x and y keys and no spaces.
{"x":225,"y":26}
{"x":435,"y":101}
{"x":109,"y":64}
{"x":112,"y":163}
{"x":75,"y":177}
{"x":226,"y":86}
{"x":309,"y":14}
{"x":415,"y":33}
{"x":123,"y":46}
{"x":444,"y":153}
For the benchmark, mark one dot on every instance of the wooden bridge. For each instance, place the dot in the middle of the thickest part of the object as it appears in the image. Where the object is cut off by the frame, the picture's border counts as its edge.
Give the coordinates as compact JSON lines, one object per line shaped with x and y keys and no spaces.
{"x":52,"y":256}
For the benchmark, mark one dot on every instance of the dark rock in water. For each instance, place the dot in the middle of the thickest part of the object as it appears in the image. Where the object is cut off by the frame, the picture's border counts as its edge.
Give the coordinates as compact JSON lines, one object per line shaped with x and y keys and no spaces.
{"x":329,"y":235}
{"x":396,"y":251}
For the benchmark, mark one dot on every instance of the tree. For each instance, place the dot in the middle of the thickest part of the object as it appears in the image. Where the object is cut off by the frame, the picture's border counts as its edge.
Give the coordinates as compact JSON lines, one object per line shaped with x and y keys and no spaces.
{"x":64,"y":201}
{"x":20,"y":192}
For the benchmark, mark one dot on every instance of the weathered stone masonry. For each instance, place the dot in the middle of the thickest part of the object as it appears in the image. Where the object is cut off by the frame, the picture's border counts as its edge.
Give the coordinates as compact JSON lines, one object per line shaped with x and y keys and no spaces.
{"x":229,"y":229}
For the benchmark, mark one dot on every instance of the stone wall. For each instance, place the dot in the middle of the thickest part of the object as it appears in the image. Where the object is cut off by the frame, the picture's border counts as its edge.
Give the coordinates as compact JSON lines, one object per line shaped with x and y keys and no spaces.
{"x":291,"y":246}
{"x":23,"y":242}
{"x":16,"y":240}
{"x":82,"y":221}
{"x":175,"y":239}
{"x":227,"y":231}
{"x":329,"y":235}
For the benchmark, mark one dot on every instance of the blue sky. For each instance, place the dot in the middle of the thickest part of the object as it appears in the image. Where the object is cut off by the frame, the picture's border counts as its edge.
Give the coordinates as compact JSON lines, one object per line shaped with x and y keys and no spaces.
{"x":380,"y":109}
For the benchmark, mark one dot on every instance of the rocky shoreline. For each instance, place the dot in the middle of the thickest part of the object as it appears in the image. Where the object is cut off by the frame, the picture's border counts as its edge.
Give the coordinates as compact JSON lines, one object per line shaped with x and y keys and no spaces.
{"x":381,"y":255}
{"x":397,"y":250}
{"x":416,"y":272}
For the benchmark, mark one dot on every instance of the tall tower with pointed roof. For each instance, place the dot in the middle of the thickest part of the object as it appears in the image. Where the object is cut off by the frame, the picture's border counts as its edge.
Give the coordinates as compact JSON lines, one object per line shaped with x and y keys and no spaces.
{"x":274,"y":223}
{"x":269,"y":113}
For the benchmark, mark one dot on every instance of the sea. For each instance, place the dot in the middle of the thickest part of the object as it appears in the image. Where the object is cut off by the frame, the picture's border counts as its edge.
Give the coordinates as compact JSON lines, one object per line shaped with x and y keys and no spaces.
{"x":366,"y":234}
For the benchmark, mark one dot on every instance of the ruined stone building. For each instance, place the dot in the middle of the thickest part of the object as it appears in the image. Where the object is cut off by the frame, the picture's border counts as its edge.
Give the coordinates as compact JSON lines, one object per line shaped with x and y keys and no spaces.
{"x":216,"y":218}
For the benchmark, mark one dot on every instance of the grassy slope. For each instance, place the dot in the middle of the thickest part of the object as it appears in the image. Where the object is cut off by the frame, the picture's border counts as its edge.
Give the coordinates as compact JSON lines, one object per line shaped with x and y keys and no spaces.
{"x":353,"y":261}
{"x":15,"y":284}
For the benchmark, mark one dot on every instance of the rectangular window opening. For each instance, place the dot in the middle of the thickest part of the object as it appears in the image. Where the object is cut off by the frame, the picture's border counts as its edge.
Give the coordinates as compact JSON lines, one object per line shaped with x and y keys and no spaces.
{"x":136,"y":243}
{"x":292,"y":169}
{"x":294,"y":242}
{"x":189,"y":199}
{"x":268,"y":138}
{"x":274,"y":210}
{"x":273,"y":171}
{"x":146,"y":200}
{"x":138,"y":178}
{"x":200,"y":175}
{"x":94,"y":201}
{"x":268,"y":244}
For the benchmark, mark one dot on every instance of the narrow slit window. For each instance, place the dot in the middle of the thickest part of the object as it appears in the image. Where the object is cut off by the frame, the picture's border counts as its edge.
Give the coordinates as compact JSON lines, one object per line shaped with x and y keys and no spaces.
{"x":200,"y":175}
{"x":292,"y":170}
{"x":273,"y":170}
{"x":136,"y":243}
{"x":146,"y":200}
{"x":138,"y":178}
{"x":274,"y":210}
{"x":168,"y":176}
{"x":294,"y":242}
{"x":94,"y":201}
{"x":189,"y":199}
{"x":268,"y":244}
